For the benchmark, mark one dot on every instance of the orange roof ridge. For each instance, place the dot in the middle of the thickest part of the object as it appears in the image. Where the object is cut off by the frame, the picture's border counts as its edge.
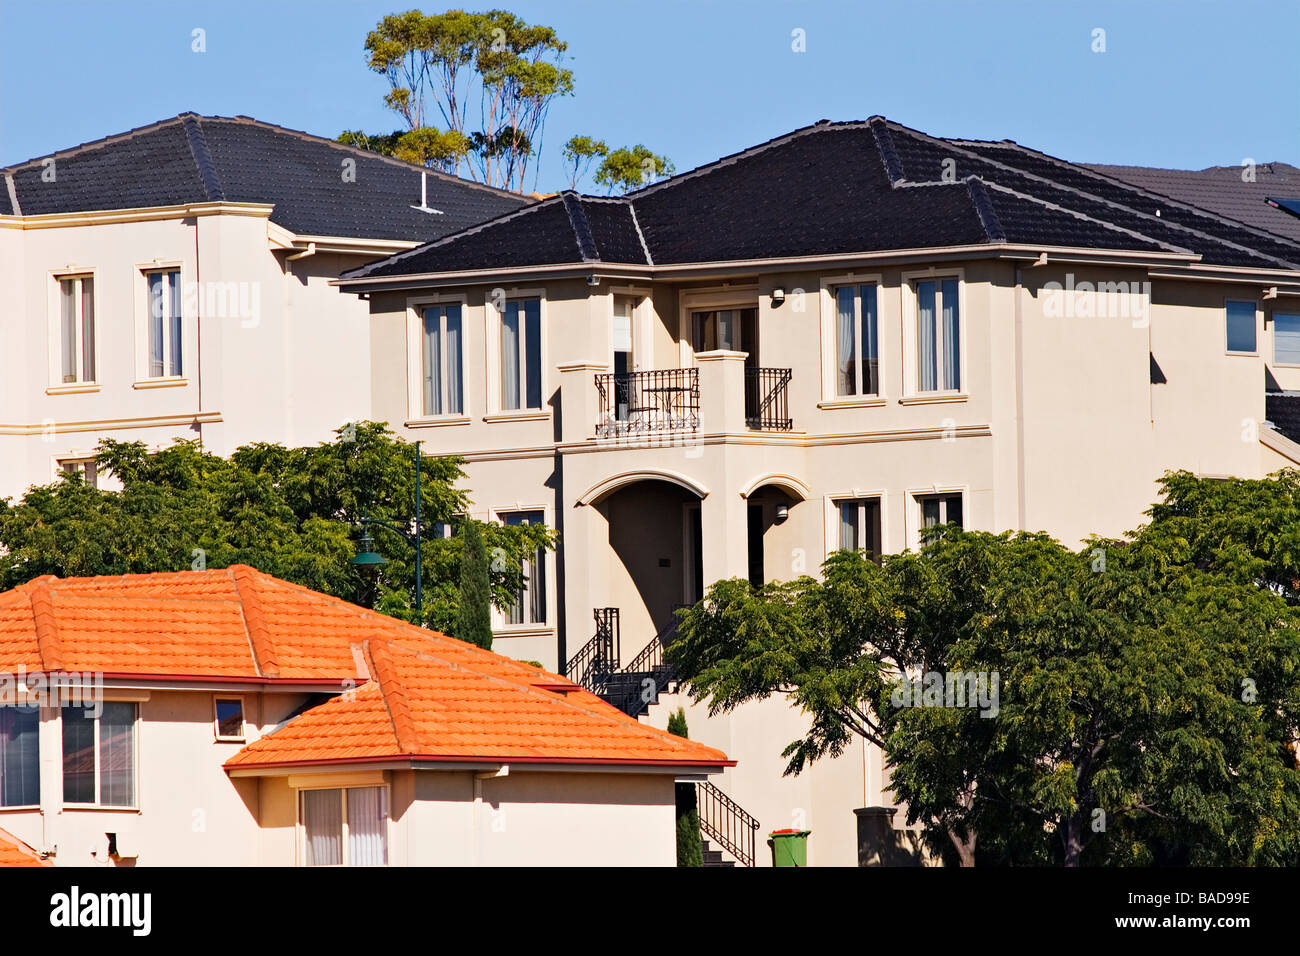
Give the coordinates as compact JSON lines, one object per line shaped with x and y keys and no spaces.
{"x":393,"y":694}
{"x":47,"y":635}
{"x":259,"y":634}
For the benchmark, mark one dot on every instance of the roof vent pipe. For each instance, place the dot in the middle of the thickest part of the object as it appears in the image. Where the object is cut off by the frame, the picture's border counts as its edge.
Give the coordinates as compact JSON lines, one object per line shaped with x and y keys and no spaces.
{"x":424,"y":196}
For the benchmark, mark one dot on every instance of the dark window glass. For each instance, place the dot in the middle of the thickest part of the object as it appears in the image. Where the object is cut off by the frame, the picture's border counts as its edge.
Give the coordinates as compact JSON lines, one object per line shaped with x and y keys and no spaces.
{"x":20,"y":781}
{"x":230,"y":717}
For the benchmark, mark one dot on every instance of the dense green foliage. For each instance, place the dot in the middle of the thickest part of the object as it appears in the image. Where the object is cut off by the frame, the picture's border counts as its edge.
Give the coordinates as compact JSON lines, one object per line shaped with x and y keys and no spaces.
{"x":474,"y":614}
{"x":291,"y":512}
{"x":1148,"y":688}
{"x":629,"y":168}
{"x":690,"y":845}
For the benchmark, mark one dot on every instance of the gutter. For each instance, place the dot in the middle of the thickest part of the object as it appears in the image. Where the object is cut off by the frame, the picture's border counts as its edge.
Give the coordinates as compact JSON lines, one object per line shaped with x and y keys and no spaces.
{"x":481,"y":764}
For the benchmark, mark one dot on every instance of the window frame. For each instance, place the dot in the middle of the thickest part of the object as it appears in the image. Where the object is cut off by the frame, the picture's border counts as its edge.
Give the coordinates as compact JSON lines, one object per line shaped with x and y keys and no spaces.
{"x":719,"y":299}
{"x":860,"y":502}
{"x":55,"y":312}
{"x":495,"y":383}
{"x":911,"y":340}
{"x":828,"y":318}
{"x":17,"y":705}
{"x":1254,"y":304}
{"x":1274,"y":316}
{"x":501,"y":619}
{"x":831,"y":516}
{"x":916,"y":516}
{"x":86,"y":462}
{"x":216,"y":719}
{"x":135,"y":762}
{"x":144,"y":355}
{"x":415,"y":307}
{"x":300,"y":825}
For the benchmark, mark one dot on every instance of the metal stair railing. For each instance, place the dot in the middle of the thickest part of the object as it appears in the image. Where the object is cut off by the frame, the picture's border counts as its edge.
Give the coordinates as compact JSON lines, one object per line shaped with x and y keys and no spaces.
{"x":727,"y":822}
{"x":597,"y":661}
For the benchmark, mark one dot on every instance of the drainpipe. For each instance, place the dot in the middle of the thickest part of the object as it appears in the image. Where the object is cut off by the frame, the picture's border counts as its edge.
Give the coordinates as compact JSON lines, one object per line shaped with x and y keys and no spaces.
{"x":309,"y":251}
{"x":502,"y":771}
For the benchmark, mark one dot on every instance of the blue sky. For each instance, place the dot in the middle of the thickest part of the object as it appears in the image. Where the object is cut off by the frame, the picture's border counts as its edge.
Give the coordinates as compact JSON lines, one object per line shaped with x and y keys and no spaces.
{"x":1182,"y":83}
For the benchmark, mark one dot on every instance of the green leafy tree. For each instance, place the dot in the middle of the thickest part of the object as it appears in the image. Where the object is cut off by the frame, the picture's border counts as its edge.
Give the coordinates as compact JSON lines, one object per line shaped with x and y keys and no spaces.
{"x":580,"y":152}
{"x":385,"y":144}
{"x":1146,"y":705}
{"x":291,"y":512}
{"x":628,"y":169}
{"x":447,"y":62}
{"x":473,"y":617}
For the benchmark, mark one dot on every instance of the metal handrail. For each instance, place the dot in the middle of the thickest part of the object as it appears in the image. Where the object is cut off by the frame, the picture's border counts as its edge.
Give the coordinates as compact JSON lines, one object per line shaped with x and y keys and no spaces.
{"x":597,"y":661}
{"x":651,"y":660}
{"x":655,"y":400}
{"x":724,"y":820}
{"x":767,"y":399}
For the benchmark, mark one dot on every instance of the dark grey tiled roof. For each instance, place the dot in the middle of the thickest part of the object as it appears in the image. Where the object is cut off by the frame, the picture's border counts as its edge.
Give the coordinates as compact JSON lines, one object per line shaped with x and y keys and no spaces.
{"x":836,"y":188}
{"x":1283,"y":410}
{"x":1221,"y":189}
{"x":192,"y":158}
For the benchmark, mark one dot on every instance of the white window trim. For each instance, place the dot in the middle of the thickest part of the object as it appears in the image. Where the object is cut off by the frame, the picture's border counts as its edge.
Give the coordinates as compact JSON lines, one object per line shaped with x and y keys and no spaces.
{"x":415,"y":359}
{"x":500,"y":623}
{"x":830,"y":339}
{"x":300,"y":825}
{"x":135,"y":767}
{"x":1272,"y":338}
{"x":492,"y":350}
{"x":914,"y":519}
{"x":831,"y":517}
{"x":911,"y":355}
{"x":54,"y":313}
{"x":1253,"y":303}
{"x":142,"y":305}
{"x":216,"y":721}
{"x":707,"y":300}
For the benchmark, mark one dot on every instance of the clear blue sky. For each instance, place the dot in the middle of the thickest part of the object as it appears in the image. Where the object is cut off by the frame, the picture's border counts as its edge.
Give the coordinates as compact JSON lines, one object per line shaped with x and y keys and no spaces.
{"x":1183,"y":83}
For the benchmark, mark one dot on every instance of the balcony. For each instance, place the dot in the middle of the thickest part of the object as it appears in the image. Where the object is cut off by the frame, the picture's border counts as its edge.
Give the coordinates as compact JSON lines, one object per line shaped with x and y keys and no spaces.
{"x":667,"y":401}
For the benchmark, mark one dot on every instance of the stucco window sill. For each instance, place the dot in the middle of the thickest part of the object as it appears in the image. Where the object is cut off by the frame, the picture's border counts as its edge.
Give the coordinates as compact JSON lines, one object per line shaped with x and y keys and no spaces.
{"x":91,"y":808}
{"x":531,"y":415}
{"x":939,"y":398}
{"x":523,"y":630}
{"x":866,"y":402}
{"x":73,"y":388}
{"x":438,"y":422}
{"x":27,"y":808}
{"x":161,"y":383}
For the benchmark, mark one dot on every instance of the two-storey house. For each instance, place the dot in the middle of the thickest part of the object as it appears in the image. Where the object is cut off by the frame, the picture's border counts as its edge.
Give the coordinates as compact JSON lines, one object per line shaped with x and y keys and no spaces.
{"x":173,"y":282}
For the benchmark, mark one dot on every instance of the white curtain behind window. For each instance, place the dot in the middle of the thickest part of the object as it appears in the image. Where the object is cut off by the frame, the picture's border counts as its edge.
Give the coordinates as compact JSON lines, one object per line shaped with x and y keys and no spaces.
{"x":510,"y":356}
{"x":432,"y":361}
{"x":68,"y":326}
{"x":174,"y":318}
{"x":367,"y":826}
{"x":928,"y":360}
{"x":88,"y":329}
{"x":951,"y":336}
{"x":322,"y":818}
{"x":455,"y":394}
{"x":157,"y":308}
{"x":845,"y":337}
{"x":849,"y":525}
{"x":870,"y":347}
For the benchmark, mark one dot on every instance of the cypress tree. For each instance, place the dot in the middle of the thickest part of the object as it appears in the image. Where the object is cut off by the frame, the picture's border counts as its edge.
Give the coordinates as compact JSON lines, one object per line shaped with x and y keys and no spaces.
{"x":690,"y":851}
{"x":474,"y":616}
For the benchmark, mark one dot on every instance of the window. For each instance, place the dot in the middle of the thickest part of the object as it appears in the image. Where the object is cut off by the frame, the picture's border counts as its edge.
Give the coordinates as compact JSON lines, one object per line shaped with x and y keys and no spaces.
{"x":165,"y":324}
{"x":77,"y":328}
{"x":83,"y":468}
{"x":230,"y":718}
{"x":530,"y":604}
{"x":442,"y":348}
{"x":938,"y":335}
{"x":521,"y":354}
{"x":857,"y":349}
{"x":345,"y":827}
{"x":99,"y":755}
{"x":1286,"y":339}
{"x":734,"y":330}
{"x":1241,"y":326}
{"x":940,"y":509}
{"x":860,"y":525}
{"x":20,"y":769}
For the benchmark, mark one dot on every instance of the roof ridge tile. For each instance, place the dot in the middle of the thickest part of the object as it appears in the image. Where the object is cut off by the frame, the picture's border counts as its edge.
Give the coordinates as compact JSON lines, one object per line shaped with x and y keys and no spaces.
{"x":47,"y":633}
{"x":581,"y":227}
{"x":203,"y":160}
{"x":260,"y":644}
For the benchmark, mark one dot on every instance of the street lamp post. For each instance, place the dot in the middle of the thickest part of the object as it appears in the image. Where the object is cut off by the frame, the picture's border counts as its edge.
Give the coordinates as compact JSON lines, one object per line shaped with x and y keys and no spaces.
{"x":368,"y":557}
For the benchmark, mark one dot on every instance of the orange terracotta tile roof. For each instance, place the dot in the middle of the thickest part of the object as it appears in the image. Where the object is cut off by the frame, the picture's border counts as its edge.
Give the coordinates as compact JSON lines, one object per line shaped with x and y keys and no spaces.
{"x":419,"y":694}
{"x":14,"y":852}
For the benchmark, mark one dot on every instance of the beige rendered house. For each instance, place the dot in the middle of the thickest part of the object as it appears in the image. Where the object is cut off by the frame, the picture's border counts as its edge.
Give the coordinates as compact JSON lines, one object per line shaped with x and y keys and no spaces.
{"x":227,"y":718}
{"x":830,"y":340}
{"x":171,"y":283}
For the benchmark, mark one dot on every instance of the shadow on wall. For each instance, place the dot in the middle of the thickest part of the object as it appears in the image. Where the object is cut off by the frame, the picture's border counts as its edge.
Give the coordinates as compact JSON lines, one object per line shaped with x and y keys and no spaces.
{"x":879,"y":844}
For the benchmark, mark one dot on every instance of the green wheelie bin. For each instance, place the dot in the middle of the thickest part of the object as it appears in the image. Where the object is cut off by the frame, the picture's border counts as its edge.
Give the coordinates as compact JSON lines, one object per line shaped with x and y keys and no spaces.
{"x":789,"y":847}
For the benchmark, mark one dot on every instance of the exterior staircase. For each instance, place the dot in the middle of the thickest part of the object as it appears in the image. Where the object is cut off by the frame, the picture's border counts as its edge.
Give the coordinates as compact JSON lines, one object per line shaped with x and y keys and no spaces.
{"x":714,"y":857}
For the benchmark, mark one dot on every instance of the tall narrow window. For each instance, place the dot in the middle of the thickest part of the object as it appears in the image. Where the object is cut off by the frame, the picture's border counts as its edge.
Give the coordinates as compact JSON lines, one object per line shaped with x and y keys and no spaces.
{"x":940,"y":509}
{"x":857,"y":347}
{"x":1240,"y":317}
{"x":77,"y":328}
{"x":521,"y":354}
{"x":345,"y":827}
{"x":165,"y":338}
{"x":621,"y":337}
{"x":99,"y":755}
{"x":20,"y":771}
{"x":529,"y":606}
{"x":938,"y":335}
{"x":860,"y":526}
{"x":442,"y":360}
{"x":1286,"y":338}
